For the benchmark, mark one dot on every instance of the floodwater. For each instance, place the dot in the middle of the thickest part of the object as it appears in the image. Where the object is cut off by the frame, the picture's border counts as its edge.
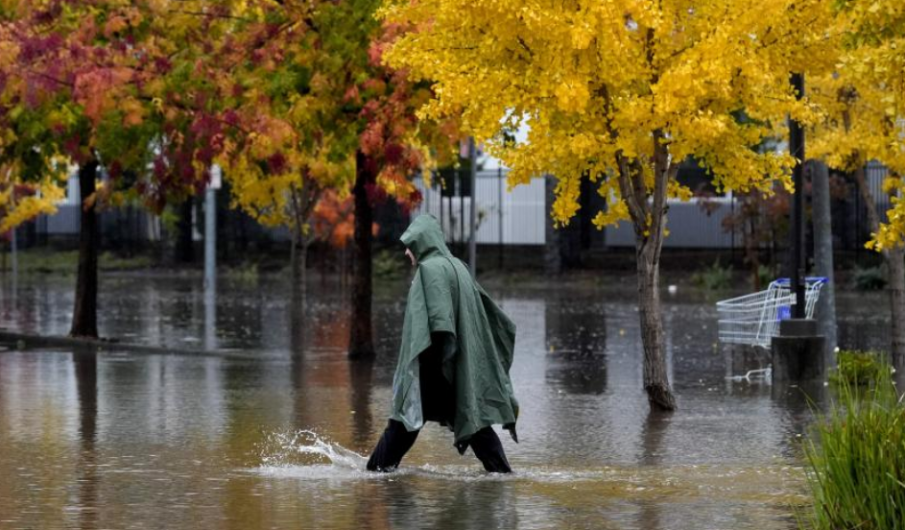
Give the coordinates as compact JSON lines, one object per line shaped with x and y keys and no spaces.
{"x":271,"y":428}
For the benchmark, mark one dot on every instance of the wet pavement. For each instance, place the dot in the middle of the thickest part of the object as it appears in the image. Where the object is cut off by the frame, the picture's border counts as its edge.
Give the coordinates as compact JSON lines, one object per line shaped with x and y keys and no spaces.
{"x":268,"y":432}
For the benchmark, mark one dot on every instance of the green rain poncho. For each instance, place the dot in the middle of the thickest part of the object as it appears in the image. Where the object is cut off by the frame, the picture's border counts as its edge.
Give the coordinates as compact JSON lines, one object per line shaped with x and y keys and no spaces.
{"x":478,"y":353}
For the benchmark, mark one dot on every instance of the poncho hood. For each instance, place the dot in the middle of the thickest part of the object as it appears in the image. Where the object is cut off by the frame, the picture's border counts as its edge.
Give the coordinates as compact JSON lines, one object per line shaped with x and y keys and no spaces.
{"x":424,"y":237}
{"x":479,"y":340}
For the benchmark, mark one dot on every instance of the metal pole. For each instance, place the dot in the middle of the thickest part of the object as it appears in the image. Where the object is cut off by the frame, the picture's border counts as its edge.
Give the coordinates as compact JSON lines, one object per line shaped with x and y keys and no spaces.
{"x":473,"y":241}
{"x":796,"y":147}
{"x":499,"y":173}
{"x":461,"y":182}
{"x":442,"y":218}
{"x":210,"y":229}
{"x":734,"y":222}
{"x":799,"y":351}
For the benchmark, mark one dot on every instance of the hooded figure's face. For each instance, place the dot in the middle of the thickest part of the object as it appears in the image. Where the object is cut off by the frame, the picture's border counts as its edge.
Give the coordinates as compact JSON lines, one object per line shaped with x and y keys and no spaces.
{"x":424,"y":237}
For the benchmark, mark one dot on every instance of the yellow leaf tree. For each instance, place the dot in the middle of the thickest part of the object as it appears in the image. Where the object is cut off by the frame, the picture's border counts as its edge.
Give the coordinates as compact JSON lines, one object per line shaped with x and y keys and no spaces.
{"x":21,"y":202}
{"x":622,"y":91}
{"x":863,"y":104}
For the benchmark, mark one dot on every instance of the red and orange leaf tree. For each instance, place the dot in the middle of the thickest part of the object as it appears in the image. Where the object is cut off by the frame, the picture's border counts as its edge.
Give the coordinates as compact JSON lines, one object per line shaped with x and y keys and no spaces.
{"x":105,"y":85}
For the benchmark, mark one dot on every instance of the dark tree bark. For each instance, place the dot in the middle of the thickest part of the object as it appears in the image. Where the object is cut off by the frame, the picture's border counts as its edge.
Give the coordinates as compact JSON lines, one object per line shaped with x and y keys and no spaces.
{"x":84,"y":316}
{"x":823,"y":252}
{"x":361,"y":342}
{"x":649,"y":220}
{"x":895,"y":262}
{"x":896,"y":259}
{"x":185,"y":246}
{"x":304,"y":199}
{"x":656,"y":380}
{"x":552,"y":255}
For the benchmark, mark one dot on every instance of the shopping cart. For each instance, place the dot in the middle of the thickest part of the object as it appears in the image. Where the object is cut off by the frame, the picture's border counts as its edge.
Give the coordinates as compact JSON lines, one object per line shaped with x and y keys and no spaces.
{"x":753,"y":319}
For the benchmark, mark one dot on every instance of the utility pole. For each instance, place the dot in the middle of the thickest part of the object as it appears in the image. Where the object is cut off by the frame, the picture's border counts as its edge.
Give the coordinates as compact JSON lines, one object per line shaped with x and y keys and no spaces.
{"x":210,"y":227}
{"x":796,"y":147}
{"x":210,"y":258}
{"x":473,"y":242}
{"x":799,"y":350}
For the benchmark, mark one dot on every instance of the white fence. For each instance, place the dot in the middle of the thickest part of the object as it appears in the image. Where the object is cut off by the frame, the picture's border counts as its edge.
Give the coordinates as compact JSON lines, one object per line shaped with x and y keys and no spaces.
{"x":519,"y":216}
{"x":504,"y":217}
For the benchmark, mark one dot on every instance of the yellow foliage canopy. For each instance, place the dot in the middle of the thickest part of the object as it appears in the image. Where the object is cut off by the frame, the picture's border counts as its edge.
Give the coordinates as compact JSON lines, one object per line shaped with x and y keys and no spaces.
{"x":20,"y":203}
{"x":620,"y":90}
{"x":864,"y":104}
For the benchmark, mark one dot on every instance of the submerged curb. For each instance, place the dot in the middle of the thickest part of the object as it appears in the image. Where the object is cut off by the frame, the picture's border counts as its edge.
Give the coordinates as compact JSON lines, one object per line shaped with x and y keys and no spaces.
{"x":28,"y":340}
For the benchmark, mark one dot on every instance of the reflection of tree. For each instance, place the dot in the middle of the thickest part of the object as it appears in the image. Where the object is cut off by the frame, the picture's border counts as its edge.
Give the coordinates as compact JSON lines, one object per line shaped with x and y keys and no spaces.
{"x":461,"y":505}
{"x":372,"y":505}
{"x":320,"y":370}
{"x":7,"y":488}
{"x":297,"y":323}
{"x":243,"y":507}
{"x":185,"y":310}
{"x":85,"y":367}
{"x":576,"y":342}
{"x":797,"y":402}
{"x":652,"y":434}
{"x":498,"y":499}
{"x":297,"y":326}
{"x":360,"y":380}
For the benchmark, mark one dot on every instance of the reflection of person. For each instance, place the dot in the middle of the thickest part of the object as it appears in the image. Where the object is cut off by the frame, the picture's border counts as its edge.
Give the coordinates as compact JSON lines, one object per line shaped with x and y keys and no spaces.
{"x":453,"y":368}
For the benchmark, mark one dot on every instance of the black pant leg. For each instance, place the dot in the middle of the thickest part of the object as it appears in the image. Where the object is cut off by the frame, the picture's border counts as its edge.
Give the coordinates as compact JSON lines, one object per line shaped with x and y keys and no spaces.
{"x":489,"y":450}
{"x":393,"y":445}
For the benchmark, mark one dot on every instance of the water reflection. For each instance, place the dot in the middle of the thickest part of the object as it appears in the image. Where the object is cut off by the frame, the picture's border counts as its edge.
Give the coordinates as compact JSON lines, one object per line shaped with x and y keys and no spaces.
{"x":576,"y":341}
{"x":85,"y":368}
{"x":360,"y":376}
{"x":119,"y":440}
{"x":652,"y":438}
{"x":797,"y":404}
{"x":210,"y":317}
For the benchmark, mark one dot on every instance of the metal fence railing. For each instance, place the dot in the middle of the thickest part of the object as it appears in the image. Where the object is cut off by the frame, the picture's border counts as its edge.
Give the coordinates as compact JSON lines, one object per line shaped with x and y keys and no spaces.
{"x":519,"y":216}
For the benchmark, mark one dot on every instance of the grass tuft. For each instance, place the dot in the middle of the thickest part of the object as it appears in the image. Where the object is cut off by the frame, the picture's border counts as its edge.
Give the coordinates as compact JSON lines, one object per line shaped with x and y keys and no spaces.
{"x":856,"y":458}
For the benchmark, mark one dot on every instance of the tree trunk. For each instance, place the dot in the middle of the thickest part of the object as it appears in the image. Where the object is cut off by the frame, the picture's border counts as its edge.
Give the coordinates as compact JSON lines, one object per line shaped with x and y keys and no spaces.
{"x":823,"y":252}
{"x":293,"y":265}
{"x":552,"y":255}
{"x":185,"y":246}
{"x":895,"y":258}
{"x":361,"y":344}
{"x":896,"y":287}
{"x":656,"y":380}
{"x":649,"y":221}
{"x":84,"y":316}
{"x":303,"y":263}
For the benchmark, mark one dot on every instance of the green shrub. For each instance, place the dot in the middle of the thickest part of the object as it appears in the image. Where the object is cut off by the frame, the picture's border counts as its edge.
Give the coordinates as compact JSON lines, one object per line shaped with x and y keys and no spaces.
{"x":857,"y":368}
{"x":246,"y":271}
{"x":765,"y":275}
{"x":856,"y":458}
{"x":390,"y":265}
{"x":714,"y":277}
{"x":869,"y":279}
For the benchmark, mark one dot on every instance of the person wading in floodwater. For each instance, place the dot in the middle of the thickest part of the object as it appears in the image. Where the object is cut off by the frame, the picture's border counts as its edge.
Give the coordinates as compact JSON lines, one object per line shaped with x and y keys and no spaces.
{"x":453,"y":368}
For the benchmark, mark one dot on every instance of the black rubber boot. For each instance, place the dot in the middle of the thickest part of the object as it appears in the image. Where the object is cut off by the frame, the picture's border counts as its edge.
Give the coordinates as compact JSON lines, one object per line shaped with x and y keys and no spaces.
{"x":393,"y":445}
{"x":489,"y":450}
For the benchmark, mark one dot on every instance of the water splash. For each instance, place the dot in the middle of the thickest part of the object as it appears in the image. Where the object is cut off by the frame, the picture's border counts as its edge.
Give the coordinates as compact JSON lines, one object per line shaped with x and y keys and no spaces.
{"x":283,"y":449}
{"x":307,"y":455}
